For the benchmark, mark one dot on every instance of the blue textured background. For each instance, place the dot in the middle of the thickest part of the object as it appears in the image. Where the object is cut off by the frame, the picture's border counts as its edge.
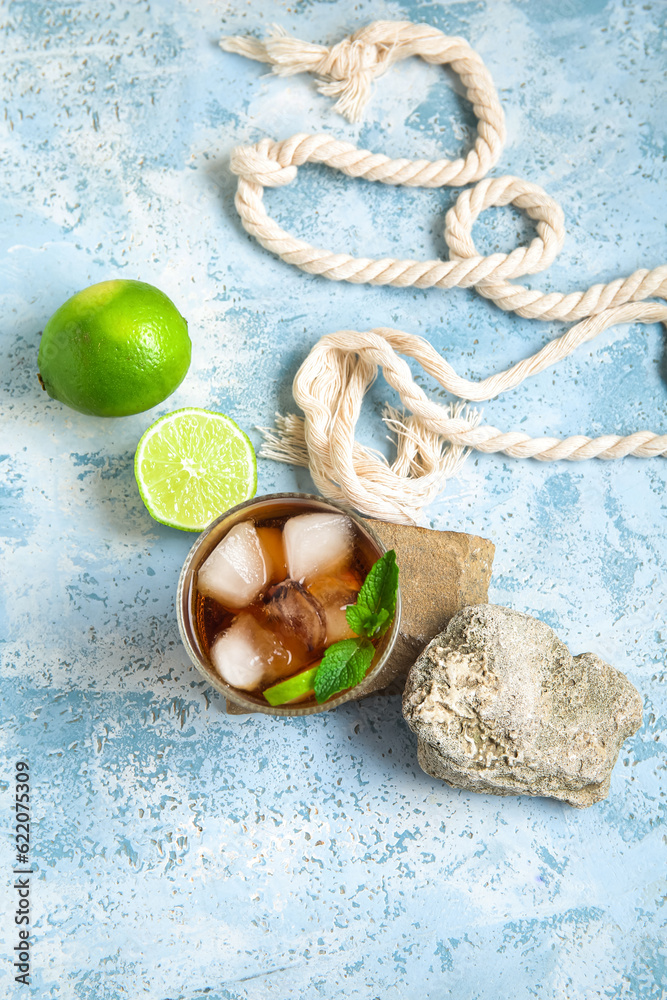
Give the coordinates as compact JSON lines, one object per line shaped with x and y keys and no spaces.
{"x":186,"y":854}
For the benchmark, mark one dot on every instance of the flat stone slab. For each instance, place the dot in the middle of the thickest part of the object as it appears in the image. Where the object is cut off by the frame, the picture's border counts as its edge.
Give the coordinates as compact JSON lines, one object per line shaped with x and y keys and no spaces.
{"x":500,"y":706}
{"x":440,"y":573}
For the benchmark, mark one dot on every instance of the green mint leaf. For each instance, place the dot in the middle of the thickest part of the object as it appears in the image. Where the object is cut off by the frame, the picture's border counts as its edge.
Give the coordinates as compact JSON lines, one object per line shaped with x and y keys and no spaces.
{"x":363,"y":623}
{"x":376,"y":622}
{"x":343,"y":665}
{"x":356,"y":618}
{"x":376,"y":601}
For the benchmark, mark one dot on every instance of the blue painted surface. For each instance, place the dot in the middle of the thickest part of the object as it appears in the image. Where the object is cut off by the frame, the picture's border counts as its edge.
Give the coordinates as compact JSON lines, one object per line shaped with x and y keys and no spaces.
{"x":185,"y":854}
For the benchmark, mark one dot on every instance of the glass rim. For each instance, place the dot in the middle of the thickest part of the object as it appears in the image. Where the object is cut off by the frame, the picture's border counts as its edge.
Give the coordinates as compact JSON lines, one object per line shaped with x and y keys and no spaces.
{"x":205,"y":668}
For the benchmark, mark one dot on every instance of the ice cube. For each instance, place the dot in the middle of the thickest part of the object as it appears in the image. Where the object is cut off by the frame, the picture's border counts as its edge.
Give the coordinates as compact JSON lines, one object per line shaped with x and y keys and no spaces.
{"x":235,"y":572}
{"x":297,"y":613}
{"x":316,"y":543}
{"x":248,"y":656}
{"x":334,"y":595}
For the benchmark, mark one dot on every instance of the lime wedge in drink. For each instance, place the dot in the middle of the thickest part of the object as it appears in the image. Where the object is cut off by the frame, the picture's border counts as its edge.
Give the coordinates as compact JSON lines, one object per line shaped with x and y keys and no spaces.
{"x":192,"y":465}
{"x":294,"y":687}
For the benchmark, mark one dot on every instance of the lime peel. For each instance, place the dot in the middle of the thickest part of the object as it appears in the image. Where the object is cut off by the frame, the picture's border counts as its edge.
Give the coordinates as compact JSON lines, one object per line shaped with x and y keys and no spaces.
{"x":294,"y":687}
{"x":116,"y":348}
{"x":192,"y":465}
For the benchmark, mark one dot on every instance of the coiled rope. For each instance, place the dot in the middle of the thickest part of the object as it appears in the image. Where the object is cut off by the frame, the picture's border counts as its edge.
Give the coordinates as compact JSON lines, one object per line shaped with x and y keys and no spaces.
{"x":331,"y":383}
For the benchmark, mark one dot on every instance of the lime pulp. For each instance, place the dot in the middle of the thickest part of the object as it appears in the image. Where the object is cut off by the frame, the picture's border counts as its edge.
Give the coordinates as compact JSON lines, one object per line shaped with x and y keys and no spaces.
{"x":192,"y":465}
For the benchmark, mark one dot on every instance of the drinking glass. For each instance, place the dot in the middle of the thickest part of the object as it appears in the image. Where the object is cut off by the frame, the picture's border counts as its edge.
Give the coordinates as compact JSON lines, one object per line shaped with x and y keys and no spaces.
{"x":262,"y":508}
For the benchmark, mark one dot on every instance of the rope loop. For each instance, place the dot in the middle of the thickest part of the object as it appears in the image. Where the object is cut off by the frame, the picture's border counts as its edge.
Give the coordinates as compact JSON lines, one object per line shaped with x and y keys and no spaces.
{"x":500,"y":191}
{"x":432,"y":441}
{"x":348,"y":68}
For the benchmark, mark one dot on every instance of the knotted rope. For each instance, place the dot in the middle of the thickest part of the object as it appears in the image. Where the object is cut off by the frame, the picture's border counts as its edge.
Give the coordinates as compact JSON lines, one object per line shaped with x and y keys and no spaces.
{"x":331,"y":383}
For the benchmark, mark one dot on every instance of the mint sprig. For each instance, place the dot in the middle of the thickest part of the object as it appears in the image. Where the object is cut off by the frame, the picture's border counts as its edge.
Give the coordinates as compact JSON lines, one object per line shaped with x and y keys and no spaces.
{"x":346,"y":663}
{"x":343,"y":665}
{"x":374,"y":611}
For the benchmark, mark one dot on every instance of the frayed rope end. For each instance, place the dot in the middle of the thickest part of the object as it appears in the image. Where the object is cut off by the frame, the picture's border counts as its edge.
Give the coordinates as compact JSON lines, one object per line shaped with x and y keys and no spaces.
{"x":285,"y":441}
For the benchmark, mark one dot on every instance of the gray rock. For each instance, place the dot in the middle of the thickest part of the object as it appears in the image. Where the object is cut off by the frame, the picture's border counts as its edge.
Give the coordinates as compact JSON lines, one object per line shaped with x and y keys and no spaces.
{"x":500,"y":706}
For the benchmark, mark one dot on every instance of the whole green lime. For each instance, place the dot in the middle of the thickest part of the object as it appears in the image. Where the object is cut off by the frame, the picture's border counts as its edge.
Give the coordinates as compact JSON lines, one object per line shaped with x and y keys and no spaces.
{"x":116,"y":348}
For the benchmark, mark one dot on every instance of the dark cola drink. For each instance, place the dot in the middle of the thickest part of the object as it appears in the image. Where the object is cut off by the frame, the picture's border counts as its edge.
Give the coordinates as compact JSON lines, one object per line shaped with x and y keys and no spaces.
{"x":270,"y":595}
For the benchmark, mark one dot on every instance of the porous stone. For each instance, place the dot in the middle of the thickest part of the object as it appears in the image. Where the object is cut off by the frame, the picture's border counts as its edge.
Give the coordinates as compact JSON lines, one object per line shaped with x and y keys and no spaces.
{"x":500,"y":706}
{"x":440,"y":572}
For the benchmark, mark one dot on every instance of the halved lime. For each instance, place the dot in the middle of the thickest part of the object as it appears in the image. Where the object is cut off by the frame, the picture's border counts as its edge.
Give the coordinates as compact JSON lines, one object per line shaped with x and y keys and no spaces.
{"x":192,"y":465}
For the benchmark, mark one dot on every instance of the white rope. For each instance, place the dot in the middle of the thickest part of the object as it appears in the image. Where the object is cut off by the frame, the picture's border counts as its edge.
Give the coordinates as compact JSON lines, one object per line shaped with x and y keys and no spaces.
{"x":330,"y":385}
